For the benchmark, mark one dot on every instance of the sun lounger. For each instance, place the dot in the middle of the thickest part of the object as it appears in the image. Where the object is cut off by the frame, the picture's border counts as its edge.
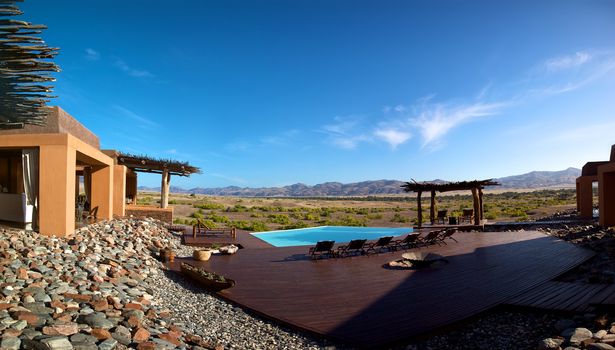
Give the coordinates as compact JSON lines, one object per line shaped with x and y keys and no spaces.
{"x":410,"y":241}
{"x":353,"y":247}
{"x":380,"y":244}
{"x":201,"y":227}
{"x":322,"y":248}
{"x":448,"y":233}
{"x":431,"y":238}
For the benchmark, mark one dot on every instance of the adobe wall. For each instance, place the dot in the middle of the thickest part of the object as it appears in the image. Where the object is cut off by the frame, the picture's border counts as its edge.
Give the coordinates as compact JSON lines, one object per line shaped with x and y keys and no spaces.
{"x":58,"y":122}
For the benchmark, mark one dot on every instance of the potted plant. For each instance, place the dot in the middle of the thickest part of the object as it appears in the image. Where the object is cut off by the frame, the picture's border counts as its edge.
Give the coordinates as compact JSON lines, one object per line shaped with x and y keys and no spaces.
{"x":167,"y":255}
{"x":201,"y":254}
{"x":209,"y":280}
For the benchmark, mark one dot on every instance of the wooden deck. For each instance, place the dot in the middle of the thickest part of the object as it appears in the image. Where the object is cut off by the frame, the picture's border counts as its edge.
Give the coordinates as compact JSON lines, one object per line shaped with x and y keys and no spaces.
{"x":566,"y":296}
{"x":359,"y":302}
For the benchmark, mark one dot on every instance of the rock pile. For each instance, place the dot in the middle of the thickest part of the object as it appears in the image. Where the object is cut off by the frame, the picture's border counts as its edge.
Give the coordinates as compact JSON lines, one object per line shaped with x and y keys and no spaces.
{"x":573,"y":336}
{"x":88,"y":291}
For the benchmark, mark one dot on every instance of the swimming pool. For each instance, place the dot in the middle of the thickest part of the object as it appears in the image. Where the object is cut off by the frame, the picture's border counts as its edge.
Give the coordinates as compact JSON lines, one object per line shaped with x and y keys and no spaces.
{"x":309,"y":236}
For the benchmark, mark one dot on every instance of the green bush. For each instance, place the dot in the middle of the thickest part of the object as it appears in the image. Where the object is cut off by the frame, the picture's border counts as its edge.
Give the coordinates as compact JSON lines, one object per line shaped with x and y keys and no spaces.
{"x":209,"y":206}
{"x":400,"y":218}
{"x":219,"y":218}
{"x":281,"y":219}
{"x":296,"y":224}
{"x":254,"y":226}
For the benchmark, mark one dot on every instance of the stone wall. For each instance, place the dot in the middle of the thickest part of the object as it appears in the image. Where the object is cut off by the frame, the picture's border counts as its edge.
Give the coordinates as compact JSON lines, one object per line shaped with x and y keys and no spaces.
{"x":138,"y":211}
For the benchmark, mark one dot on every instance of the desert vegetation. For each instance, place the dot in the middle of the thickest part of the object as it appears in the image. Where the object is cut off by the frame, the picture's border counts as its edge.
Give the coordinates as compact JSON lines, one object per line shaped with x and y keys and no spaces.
{"x":261,"y":214}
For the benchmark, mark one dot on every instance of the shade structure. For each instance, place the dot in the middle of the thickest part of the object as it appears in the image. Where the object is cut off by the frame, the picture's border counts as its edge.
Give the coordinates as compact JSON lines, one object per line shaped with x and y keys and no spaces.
{"x":476,"y":186}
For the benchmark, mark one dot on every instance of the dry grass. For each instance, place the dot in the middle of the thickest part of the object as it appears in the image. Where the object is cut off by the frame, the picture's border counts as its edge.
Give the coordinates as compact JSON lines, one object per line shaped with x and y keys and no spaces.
{"x":258,"y":214}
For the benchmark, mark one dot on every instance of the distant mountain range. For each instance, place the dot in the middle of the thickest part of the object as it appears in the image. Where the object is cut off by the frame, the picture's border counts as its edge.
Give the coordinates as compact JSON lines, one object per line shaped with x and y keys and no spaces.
{"x":532,"y":180}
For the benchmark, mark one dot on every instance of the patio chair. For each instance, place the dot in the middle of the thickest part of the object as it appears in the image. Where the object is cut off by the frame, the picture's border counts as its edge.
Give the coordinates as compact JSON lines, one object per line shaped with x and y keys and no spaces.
{"x":467,"y":215}
{"x":448,"y":233}
{"x":410,"y":241}
{"x":381,"y":243}
{"x":322,"y":248}
{"x":431,"y":238}
{"x":442,"y":215}
{"x":353,"y":247}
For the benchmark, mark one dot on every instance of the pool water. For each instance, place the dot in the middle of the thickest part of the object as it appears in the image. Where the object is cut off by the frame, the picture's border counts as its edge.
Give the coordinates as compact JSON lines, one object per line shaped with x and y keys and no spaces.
{"x":309,"y":236}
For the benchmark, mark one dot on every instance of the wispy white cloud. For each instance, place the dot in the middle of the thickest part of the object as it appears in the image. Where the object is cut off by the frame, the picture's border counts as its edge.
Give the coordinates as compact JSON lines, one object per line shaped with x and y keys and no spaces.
{"x":601,"y":67}
{"x":137,"y":73}
{"x":142,"y":121}
{"x":400,"y":108}
{"x":344,"y":132}
{"x":92,"y":54}
{"x":284,"y":138}
{"x":394,"y":137}
{"x":567,"y":61}
{"x":386,"y":109}
{"x":436,"y":120}
{"x":238,"y":146}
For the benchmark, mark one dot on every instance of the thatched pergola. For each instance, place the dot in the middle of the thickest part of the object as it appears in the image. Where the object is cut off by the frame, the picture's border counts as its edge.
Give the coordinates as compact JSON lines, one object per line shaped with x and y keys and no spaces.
{"x":24,"y":70}
{"x":475,"y":186}
{"x":165,"y":167}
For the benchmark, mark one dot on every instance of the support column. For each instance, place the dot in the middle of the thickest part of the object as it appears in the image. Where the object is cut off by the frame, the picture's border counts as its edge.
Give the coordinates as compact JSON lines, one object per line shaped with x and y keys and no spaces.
{"x":475,"y":201}
{"x":56,"y":190}
{"x":102,"y":191}
{"x":119,"y":190}
{"x":480,"y":204}
{"x":419,"y":209}
{"x":585,"y":202}
{"x":164,"y":189}
{"x":606,"y":191}
{"x":432,"y":208}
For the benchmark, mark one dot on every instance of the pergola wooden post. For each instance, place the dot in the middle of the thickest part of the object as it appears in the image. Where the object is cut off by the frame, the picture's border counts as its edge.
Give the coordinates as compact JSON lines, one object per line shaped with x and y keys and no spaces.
{"x":475,"y":186}
{"x":164,"y":167}
{"x":165,"y":186}
{"x":419,"y":209}
{"x":480,"y":202}
{"x":432,"y":207}
{"x":476,"y":205}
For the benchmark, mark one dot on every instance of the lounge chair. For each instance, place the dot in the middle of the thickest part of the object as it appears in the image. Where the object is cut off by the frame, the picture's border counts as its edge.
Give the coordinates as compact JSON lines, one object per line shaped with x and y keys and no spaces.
{"x":381,"y":243}
{"x":431,"y":238}
{"x":354,"y":246}
{"x":442,"y":215}
{"x":200,"y":226}
{"x":322,"y":248}
{"x":410,"y":241}
{"x":467,"y":215}
{"x":448,"y":233}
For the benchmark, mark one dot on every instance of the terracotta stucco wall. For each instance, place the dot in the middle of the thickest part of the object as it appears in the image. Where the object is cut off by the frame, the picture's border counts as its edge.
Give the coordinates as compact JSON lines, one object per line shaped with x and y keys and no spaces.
{"x":58,"y":122}
{"x":119,"y":190}
{"x":585,"y":196}
{"x":606,"y":190}
{"x":57,"y":168}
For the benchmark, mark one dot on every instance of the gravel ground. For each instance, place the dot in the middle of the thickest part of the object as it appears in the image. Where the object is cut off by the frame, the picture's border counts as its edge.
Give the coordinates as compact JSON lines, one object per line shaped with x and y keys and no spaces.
{"x":217,"y":321}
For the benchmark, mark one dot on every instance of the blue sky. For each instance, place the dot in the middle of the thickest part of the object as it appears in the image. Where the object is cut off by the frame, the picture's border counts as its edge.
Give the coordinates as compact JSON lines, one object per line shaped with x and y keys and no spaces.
{"x":269,"y":93}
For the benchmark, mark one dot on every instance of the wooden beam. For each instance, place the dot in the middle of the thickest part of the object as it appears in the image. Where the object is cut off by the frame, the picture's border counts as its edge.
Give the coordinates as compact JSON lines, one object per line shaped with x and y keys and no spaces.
{"x":475,"y":200}
{"x":419,"y":209}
